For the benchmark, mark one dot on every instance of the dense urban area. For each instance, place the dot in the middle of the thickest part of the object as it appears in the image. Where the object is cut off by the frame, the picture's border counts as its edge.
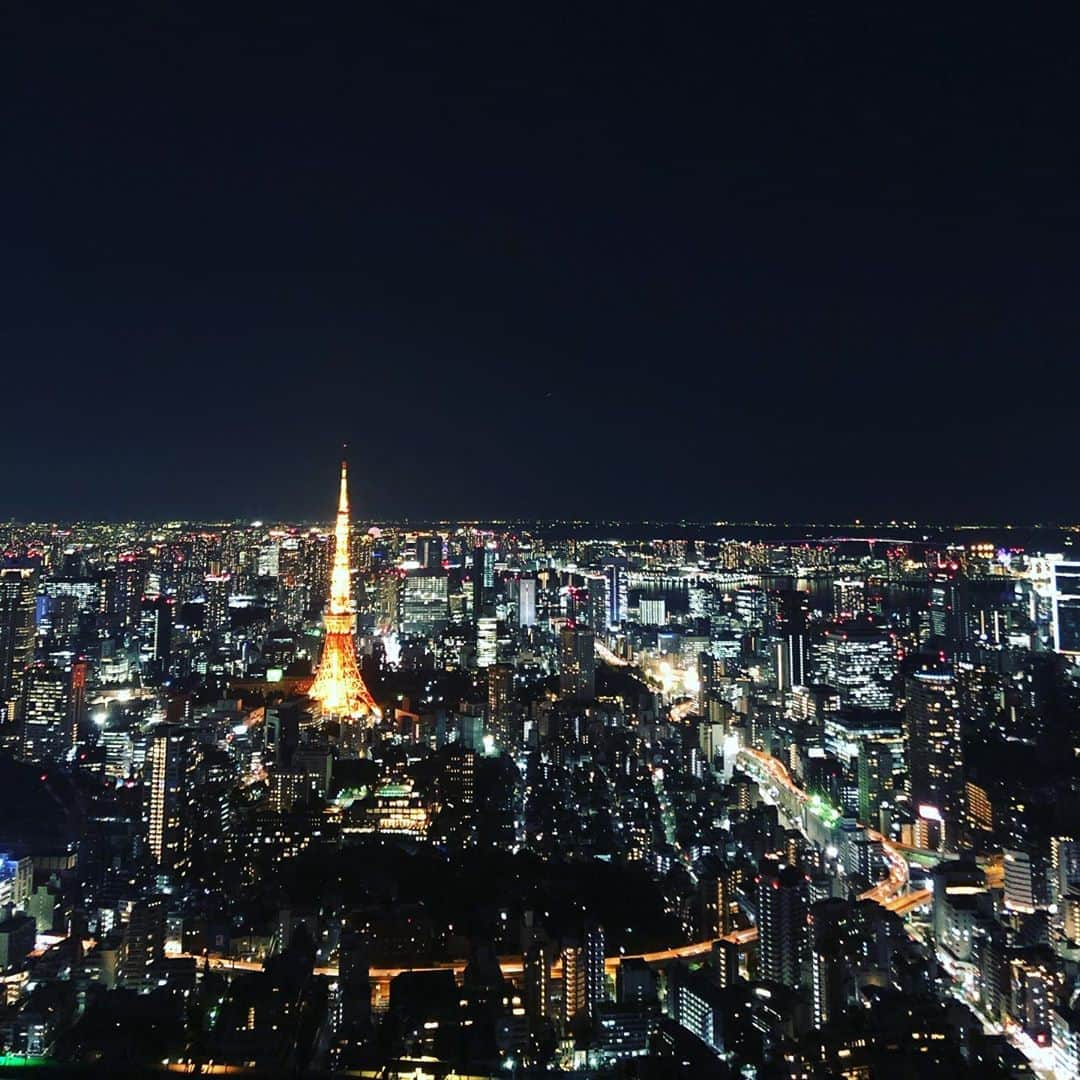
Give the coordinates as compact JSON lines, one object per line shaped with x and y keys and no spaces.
{"x":495,"y":799}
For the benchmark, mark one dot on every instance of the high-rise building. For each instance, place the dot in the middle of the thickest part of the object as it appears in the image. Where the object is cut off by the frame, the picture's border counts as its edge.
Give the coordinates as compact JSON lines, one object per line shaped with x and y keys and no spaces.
{"x":538,"y":985}
{"x":143,"y":943}
{"x":527,"y":601}
{"x":487,"y":641}
{"x":167,"y":761}
{"x":339,"y":687}
{"x":429,"y":551}
{"x":875,"y":769}
{"x":653,"y":611}
{"x":218,"y":589}
{"x":17,"y":607}
{"x":933,"y":743}
{"x":483,"y":579}
{"x":575,"y":1000}
{"x":595,"y":974}
{"x":1019,"y":886}
{"x":500,"y":686}
{"x":1066,"y":607}
{"x":782,"y":922}
{"x":860,"y":662}
{"x":128,"y":586}
{"x":460,"y":780}
{"x":47,"y":717}
{"x":616,"y":590}
{"x":155,"y":634}
{"x":577,"y":662}
{"x":849,"y":598}
{"x":830,"y":975}
{"x":425,"y":603}
{"x":790,"y":621}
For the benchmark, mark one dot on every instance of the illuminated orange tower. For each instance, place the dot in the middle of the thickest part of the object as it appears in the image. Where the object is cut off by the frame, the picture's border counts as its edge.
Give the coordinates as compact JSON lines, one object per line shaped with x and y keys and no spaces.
{"x":339,"y":687}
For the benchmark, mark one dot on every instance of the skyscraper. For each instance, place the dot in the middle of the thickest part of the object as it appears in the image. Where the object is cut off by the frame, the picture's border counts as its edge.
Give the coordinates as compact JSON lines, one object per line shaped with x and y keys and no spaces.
{"x":577,"y":662}
{"x":934,"y":749}
{"x":155,"y":634}
{"x":1066,"y":600}
{"x":167,"y":765}
{"x":17,"y":588}
{"x":860,"y":662}
{"x":527,"y":601}
{"x":782,"y":924}
{"x":616,"y":589}
{"x":483,"y":579}
{"x":47,"y":718}
{"x":338,"y":687}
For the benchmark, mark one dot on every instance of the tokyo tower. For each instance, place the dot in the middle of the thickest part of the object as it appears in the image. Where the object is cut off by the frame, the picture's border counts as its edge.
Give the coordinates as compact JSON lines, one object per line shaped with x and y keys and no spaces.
{"x":339,"y":687}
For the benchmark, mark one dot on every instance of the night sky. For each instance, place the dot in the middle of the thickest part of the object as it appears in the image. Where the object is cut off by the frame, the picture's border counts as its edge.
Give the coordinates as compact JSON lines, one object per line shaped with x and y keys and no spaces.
{"x":539,"y":260}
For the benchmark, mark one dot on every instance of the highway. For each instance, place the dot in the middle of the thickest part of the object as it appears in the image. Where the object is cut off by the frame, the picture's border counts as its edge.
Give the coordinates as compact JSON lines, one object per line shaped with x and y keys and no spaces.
{"x":891,"y":892}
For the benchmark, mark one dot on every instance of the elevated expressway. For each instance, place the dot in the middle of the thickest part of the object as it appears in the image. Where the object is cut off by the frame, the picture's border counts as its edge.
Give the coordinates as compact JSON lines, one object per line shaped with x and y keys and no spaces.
{"x":776,"y":782}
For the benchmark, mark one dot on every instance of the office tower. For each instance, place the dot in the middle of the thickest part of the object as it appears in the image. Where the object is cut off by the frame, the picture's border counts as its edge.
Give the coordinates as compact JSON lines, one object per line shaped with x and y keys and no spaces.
{"x":17,"y":606}
{"x":577,"y":662}
{"x":268,"y":559}
{"x":425,"y":603}
{"x":860,"y":663}
{"x":487,"y":641}
{"x":429,"y":551}
{"x":483,"y":579}
{"x":933,"y":746}
{"x":830,"y":972}
{"x":527,"y":601}
{"x":875,"y":771}
{"x":946,"y":606}
{"x":79,"y":671}
{"x":217,"y":589}
{"x":978,"y":811}
{"x":1066,"y":607}
{"x":849,"y":599}
{"x":792,"y":612}
{"x":65,"y":602}
{"x":167,"y":761}
{"x":594,"y":604}
{"x":782,"y":925}
{"x":653,"y":611}
{"x":47,"y":718}
{"x":616,"y":584}
{"x":317,"y":552}
{"x":1019,"y":886}
{"x":128,"y":584}
{"x":339,"y":688}
{"x":155,"y":635}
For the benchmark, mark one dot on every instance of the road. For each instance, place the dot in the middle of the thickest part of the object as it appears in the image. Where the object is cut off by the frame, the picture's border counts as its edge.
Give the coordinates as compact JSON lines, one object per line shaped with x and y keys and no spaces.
{"x":891,"y":891}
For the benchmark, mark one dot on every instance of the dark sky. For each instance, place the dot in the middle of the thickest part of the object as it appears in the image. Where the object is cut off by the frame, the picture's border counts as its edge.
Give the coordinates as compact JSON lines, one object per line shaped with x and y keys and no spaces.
{"x":602,"y":260}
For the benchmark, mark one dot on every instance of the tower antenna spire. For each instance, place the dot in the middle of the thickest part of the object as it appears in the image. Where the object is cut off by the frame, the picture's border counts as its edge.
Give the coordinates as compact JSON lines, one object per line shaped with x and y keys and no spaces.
{"x":338,"y":686}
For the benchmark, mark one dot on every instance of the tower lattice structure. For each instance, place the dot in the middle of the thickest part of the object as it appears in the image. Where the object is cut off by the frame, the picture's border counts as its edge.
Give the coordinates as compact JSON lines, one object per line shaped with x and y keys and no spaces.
{"x":338,"y":686}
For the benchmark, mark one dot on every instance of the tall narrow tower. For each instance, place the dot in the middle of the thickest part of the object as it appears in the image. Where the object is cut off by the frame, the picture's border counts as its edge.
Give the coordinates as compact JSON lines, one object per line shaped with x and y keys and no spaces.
{"x":338,"y":687}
